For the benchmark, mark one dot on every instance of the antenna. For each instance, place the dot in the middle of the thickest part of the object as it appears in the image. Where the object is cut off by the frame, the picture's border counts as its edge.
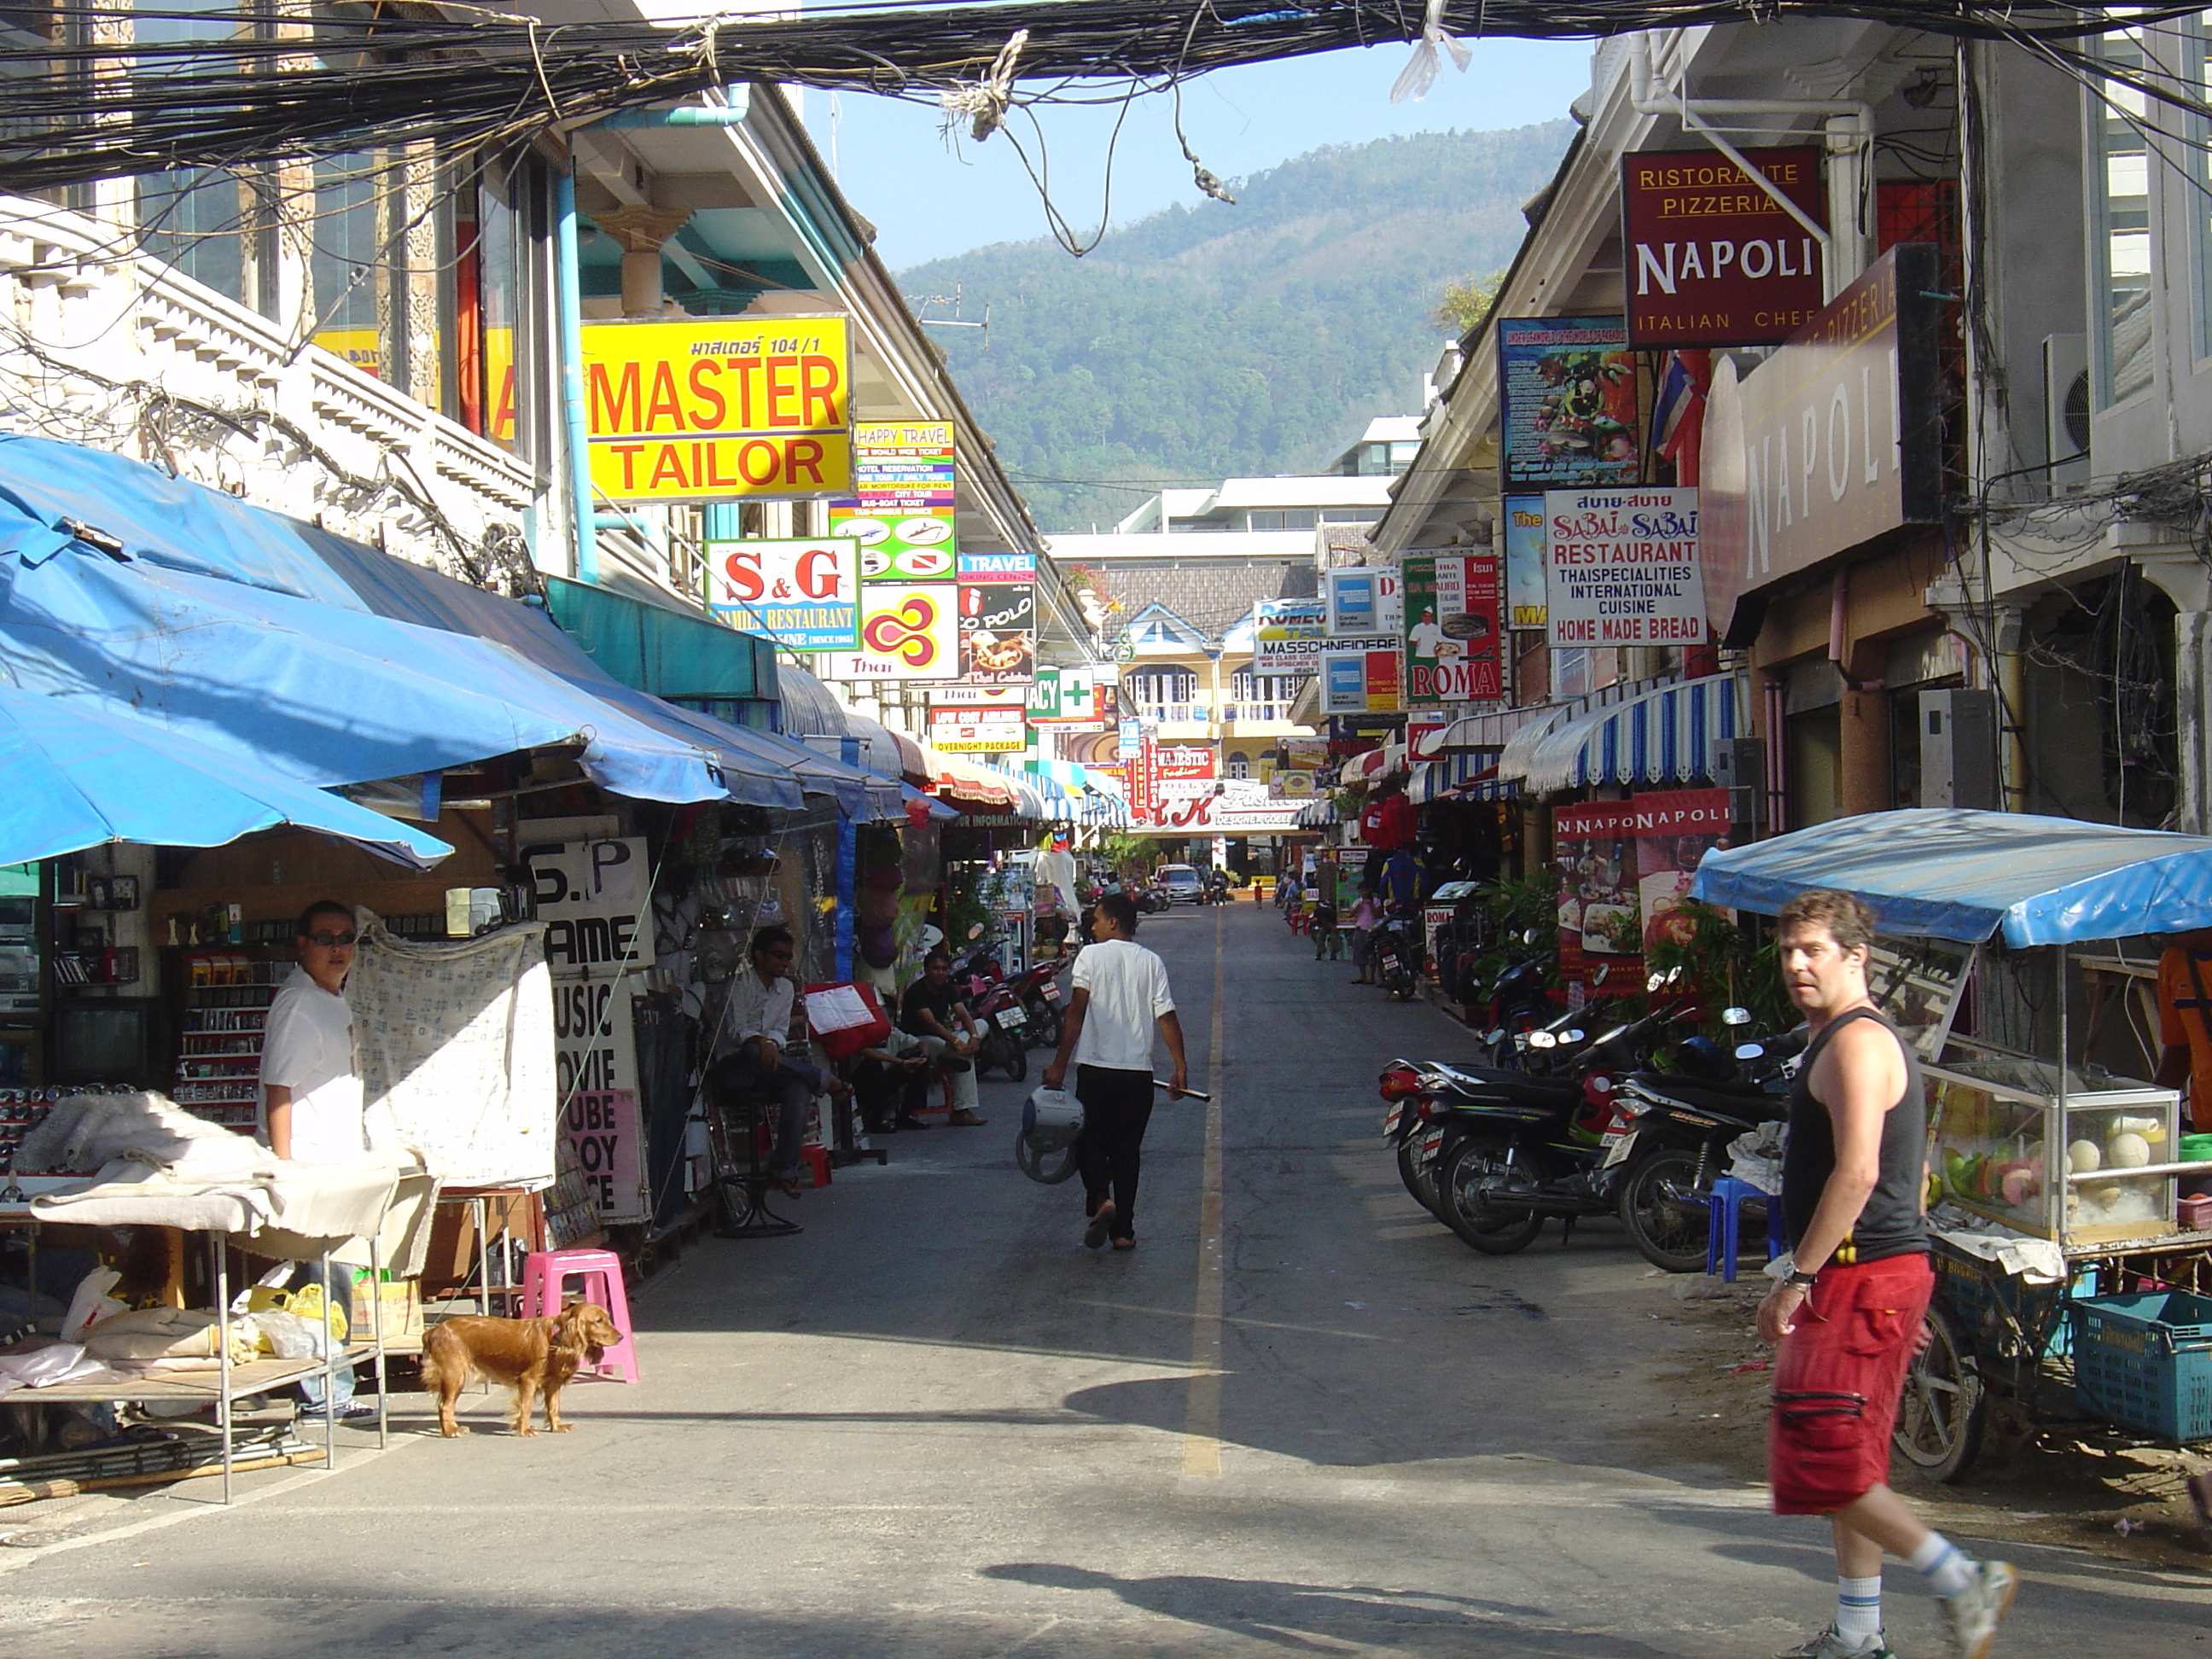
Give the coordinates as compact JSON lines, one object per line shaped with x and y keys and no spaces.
{"x":955,"y":320}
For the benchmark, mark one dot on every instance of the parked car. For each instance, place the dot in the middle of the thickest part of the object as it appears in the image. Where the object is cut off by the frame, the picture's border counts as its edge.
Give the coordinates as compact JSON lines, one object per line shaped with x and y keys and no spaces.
{"x":1181,"y":884}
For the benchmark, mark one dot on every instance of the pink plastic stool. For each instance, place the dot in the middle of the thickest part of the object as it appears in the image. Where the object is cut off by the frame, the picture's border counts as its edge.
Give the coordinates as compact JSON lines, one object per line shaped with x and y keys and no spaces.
{"x":817,"y":1162}
{"x":545,"y":1276}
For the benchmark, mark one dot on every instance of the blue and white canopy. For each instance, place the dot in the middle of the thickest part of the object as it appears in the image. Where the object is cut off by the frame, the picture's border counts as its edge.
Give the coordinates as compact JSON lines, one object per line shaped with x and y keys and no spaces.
{"x":1960,"y":875}
{"x":1667,"y":733}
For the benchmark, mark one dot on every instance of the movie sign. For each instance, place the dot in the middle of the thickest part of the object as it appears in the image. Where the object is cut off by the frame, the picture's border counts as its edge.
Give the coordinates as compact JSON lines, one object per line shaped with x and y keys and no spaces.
{"x":805,"y":595}
{"x":1623,"y":568}
{"x":1567,"y":394}
{"x":1452,"y":636}
{"x":998,"y":635}
{"x":594,"y":898}
{"x":1713,"y":259}
{"x":727,"y":410}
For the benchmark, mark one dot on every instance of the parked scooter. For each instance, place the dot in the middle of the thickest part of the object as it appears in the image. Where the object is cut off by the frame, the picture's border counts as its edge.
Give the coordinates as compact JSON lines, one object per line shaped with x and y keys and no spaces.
{"x":1039,"y":994}
{"x":1394,"y":953}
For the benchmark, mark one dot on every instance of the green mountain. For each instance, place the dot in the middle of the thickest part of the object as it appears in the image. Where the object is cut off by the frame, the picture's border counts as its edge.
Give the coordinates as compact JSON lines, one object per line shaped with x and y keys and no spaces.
{"x":1217,"y":341}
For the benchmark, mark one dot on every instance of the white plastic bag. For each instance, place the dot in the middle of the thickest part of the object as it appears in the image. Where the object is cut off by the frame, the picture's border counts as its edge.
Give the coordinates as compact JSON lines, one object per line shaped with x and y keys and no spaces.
{"x":288,"y":1336}
{"x":91,"y":1303}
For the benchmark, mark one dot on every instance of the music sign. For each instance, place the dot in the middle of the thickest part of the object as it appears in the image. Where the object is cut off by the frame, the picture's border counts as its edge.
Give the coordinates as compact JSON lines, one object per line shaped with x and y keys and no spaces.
{"x":1713,"y":259}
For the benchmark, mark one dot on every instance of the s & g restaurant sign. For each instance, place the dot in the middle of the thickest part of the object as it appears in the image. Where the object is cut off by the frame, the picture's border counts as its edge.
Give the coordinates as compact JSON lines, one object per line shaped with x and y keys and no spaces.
{"x":1834,"y":440}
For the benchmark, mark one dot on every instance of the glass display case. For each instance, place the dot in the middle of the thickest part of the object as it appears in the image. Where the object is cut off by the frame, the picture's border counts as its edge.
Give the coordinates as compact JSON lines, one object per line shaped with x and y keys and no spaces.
{"x":2090,"y":1165}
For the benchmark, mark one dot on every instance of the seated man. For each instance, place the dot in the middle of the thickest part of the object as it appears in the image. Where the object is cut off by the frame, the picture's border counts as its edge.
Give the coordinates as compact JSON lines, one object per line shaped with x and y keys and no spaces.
{"x":890,"y":1079}
{"x":932,"y":1011}
{"x":758,"y":1024}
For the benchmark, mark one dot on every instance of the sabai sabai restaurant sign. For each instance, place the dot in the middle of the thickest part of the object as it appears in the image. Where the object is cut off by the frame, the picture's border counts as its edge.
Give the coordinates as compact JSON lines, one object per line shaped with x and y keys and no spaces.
{"x":1713,"y":260}
{"x":594,"y":898}
{"x":725,"y":409}
{"x":1622,"y":568}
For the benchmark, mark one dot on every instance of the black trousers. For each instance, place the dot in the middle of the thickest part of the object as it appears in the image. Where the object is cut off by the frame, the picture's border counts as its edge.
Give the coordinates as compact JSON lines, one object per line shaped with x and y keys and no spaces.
{"x":1117,"y":1105}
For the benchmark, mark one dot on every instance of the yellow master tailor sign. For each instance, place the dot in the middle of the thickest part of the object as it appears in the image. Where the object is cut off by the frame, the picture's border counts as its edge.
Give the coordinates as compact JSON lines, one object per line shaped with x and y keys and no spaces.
{"x":719,"y":409}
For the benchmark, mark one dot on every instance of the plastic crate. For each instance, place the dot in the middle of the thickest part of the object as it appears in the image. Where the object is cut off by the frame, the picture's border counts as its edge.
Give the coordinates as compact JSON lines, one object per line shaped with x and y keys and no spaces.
{"x":2146,"y":1361}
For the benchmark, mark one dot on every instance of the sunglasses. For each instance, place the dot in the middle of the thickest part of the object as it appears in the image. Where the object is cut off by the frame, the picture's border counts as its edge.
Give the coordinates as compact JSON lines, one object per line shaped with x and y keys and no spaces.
{"x":330,"y":940}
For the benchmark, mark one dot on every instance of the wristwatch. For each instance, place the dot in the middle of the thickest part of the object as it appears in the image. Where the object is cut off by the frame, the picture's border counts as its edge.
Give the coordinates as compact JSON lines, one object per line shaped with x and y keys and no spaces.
{"x":1801,"y":1279}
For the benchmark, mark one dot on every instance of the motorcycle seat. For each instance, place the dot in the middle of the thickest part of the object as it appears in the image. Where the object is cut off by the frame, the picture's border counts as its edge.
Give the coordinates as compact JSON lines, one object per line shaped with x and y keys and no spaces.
{"x":1744,"y":1100}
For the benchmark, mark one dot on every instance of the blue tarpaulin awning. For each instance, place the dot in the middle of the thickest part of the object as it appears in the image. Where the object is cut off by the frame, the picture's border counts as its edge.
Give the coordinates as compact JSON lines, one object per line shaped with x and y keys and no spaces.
{"x":83,"y":772}
{"x":1962,"y":875}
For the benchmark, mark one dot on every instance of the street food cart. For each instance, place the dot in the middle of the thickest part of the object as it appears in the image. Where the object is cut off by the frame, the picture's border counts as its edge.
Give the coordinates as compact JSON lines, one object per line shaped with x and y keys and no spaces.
{"x":2067,"y":1286}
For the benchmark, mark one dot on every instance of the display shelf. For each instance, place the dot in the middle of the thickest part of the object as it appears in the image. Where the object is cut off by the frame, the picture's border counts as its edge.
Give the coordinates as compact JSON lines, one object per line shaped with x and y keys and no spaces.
{"x":227,"y":992}
{"x":197,"y":1386}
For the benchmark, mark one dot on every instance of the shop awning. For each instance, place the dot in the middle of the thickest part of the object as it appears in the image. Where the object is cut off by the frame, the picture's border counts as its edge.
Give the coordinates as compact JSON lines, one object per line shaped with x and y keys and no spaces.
{"x":78,"y":772}
{"x":326,"y":659}
{"x":968,"y":783}
{"x":1488,"y":734}
{"x":1472,"y":775}
{"x":1520,"y":750}
{"x":666,"y":652}
{"x":1667,"y":733}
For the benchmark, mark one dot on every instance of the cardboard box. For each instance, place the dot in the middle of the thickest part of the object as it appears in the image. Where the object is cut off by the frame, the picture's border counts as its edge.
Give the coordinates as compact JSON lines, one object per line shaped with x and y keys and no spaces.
{"x":402,"y":1308}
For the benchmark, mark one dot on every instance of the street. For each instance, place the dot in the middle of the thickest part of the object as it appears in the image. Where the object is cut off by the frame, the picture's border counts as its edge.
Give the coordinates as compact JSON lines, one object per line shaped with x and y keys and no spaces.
{"x":934,"y":1425}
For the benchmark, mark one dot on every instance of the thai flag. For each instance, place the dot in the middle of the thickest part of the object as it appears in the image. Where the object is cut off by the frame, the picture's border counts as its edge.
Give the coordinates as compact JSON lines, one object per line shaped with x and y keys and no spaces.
{"x":1678,"y":411}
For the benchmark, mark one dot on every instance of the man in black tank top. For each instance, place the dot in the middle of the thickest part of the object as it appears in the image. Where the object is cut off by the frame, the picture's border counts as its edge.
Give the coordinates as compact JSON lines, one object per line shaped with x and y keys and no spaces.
{"x":1851,"y":1294}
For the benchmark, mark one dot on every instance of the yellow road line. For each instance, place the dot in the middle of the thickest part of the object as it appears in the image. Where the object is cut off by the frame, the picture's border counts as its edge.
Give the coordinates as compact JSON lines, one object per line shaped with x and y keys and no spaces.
{"x":1201,"y":1425}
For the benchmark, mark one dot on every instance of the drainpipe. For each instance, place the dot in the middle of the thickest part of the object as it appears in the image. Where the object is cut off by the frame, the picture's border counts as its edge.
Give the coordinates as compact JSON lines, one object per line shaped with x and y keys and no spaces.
{"x":569,"y":301}
{"x":1850,"y":128}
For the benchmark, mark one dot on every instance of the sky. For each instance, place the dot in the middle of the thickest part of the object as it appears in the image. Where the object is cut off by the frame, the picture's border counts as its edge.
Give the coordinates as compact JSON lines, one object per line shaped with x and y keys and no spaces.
{"x":929,"y":198}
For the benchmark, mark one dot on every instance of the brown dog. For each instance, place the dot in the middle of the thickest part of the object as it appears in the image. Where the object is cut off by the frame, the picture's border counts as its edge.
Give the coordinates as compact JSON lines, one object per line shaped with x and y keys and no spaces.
{"x":537,"y":1356}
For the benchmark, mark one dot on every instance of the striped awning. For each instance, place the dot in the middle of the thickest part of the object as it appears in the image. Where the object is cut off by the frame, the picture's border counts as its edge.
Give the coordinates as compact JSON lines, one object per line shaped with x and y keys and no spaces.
{"x":1667,"y":733}
{"x":1469,"y":774}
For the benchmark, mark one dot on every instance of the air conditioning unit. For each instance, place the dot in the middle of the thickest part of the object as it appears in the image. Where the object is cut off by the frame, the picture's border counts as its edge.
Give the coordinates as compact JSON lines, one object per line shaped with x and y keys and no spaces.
{"x":2066,"y":409}
{"x":1959,"y":749}
{"x":1740,"y":767}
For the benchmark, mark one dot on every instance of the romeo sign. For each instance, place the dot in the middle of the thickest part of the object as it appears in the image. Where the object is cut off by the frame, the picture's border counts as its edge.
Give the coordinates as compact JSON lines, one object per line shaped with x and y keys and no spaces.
{"x":1712,"y":258}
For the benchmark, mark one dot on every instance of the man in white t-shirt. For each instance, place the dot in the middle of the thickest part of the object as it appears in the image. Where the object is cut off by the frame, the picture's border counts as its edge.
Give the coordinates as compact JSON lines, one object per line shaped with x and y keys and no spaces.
{"x":1121,"y":998}
{"x":312,"y":1104}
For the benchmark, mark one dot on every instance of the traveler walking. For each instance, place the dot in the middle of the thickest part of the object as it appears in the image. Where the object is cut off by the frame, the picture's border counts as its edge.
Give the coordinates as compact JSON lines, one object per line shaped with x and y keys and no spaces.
{"x":1119,"y":997}
{"x":1852,"y":1292}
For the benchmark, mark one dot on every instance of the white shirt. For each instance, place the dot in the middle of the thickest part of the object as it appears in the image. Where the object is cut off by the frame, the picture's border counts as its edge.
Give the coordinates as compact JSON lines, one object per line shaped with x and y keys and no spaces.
{"x":1128,"y":987}
{"x":307,"y":1047}
{"x":758,"y":1009}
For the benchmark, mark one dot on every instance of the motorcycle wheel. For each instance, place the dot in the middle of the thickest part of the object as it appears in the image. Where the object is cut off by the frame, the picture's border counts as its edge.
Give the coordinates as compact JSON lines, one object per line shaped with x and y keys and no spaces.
{"x":1663,"y":1207}
{"x":1417,"y":1180}
{"x":1939,"y":1424}
{"x":1461,"y":1206}
{"x":1046,"y":1028}
{"x":1014,"y":1057}
{"x":1047,"y":1169}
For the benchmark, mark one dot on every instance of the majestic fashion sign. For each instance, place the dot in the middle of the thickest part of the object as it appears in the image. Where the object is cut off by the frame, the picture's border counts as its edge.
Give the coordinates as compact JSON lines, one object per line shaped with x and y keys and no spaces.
{"x":1713,"y":260}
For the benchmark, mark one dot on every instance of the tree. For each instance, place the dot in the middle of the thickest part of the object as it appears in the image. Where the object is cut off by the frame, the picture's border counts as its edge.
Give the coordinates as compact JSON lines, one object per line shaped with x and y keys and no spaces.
{"x":1463,"y":307}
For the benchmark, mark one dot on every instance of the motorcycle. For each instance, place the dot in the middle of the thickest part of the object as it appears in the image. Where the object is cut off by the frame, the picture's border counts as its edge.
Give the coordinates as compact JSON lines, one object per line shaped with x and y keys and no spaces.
{"x":1504,"y":1152}
{"x":1674,"y":1135}
{"x":1039,"y":994}
{"x":1395,"y":954}
{"x":1004,"y":1024}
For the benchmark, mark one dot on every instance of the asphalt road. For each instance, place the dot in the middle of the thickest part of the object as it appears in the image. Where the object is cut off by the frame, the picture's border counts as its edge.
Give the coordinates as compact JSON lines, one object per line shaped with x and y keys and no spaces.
{"x":1299,"y":1418}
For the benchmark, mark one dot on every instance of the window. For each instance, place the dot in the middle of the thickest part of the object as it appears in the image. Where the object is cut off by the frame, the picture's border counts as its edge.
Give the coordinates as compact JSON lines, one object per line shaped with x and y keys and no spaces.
{"x":2121,"y":233}
{"x":1298,"y":518}
{"x":1238,"y":765}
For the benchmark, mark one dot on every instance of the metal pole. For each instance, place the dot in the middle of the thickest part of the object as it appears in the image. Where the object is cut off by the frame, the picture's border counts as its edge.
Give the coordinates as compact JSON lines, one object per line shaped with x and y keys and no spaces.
{"x":570,"y":308}
{"x":222,"y":1412}
{"x":330,"y":1371}
{"x":376,"y":1325}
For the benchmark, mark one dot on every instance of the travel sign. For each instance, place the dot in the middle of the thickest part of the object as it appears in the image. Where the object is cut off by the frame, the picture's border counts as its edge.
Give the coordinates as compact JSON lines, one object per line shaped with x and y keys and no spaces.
{"x":725,"y":410}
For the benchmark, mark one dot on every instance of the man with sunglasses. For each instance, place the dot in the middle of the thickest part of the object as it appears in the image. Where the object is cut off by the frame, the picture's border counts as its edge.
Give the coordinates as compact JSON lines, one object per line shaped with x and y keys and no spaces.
{"x":313,"y":1110}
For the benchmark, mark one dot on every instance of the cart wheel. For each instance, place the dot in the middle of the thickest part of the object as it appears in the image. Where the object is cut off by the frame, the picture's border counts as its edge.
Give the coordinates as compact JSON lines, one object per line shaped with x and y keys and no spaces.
{"x":1049,"y":1167}
{"x":1939,"y":1424}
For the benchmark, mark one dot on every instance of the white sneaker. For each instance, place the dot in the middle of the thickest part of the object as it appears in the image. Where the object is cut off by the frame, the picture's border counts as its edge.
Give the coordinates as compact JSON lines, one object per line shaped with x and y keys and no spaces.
{"x":1973,"y":1614}
{"x":1830,"y":1644}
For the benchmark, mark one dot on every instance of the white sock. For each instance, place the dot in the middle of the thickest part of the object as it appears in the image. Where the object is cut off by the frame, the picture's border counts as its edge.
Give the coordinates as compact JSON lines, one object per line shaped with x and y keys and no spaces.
{"x":1947,"y":1570}
{"x":1858,"y":1607}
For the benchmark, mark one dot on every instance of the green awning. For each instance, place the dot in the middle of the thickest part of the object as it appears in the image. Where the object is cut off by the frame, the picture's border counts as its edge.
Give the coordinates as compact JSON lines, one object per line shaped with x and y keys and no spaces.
{"x":661,"y":651}
{"x":19,"y":881}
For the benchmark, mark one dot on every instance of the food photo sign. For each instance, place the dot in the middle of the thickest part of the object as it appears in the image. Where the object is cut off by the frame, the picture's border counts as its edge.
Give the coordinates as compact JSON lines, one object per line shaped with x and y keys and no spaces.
{"x":1567,"y":393}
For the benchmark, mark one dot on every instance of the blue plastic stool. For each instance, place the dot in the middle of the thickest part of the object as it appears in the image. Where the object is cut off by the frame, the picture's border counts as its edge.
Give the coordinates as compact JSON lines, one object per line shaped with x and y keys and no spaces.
{"x":1726,"y":1205}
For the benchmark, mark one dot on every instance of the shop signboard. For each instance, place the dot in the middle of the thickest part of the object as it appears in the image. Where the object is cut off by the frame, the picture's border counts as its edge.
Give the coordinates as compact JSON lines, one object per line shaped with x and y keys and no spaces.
{"x":1593,"y":850}
{"x":1064,"y":698}
{"x":1713,"y":260}
{"x":594,"y":898}
{"x":1129,"y":738}
{"x":1185,"y":764}
{"x":805,"y":595}
{"x":1452,"y":636}
{"x":1623,"y":568}
{"x":1361,"y":676}
{"x":1567,"y":388}
{"x":977,"y":731}
{"x":900,"y":509}
{"x":998,"y":568}
{"x":1675,"y":829}
{"x":1286,"y":636}
{"x":1234,"y":807}
{"x":726,"y":409}
{"x":998,"y":635}
{"x":979,"y":696}
{"x":1360,"y":600}
{"x":1835,"y":440}
{"x":1527,"y":549}
{"x":908,"y":631}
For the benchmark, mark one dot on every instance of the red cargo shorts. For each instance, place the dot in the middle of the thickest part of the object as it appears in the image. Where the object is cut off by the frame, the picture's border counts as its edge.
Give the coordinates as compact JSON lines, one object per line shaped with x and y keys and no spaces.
{"x":1838,"y":1379}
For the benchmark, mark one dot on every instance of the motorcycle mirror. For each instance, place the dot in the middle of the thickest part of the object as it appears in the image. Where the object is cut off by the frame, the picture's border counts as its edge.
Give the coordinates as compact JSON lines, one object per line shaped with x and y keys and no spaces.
{"x":1601,"y":973}
{"x":1749,"y":1050}
{"x":1542,"y":1040}
{"x":1493,"y":1037}
{"x":975,"y":930}
{"x":1573,"y":1034}
{"x":1735,"y":1016}
{"x":1654,"y":982}
{"x":1674,"y":975}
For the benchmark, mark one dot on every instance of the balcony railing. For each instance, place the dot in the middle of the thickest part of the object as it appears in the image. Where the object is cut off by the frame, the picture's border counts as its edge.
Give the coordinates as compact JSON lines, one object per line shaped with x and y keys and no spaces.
{"x":117,"y":336}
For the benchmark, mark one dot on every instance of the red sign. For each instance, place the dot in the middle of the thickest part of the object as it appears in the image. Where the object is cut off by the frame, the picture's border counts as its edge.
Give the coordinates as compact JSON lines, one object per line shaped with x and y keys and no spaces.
{"x":1595,"y":850}
{"x":1712,"y":259}
{"x":1673,"y":829}
{"x":1184,"y":766}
